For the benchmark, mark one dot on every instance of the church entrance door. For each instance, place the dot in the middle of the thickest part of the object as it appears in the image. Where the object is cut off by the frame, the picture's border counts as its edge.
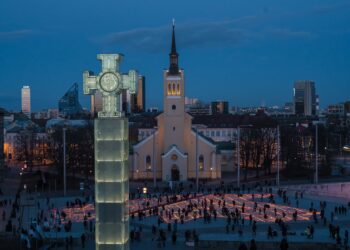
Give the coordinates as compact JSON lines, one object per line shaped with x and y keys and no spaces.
{"x":175,"y":173}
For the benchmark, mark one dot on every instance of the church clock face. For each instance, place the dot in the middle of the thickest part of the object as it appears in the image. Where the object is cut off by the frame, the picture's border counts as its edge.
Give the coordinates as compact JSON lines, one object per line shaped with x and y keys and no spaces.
{"x":109,"y":82}
{"x":174,"y":157}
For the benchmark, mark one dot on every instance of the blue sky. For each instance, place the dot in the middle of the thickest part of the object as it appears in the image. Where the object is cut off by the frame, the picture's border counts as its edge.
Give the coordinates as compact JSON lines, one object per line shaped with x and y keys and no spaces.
{"x":247,"y":52}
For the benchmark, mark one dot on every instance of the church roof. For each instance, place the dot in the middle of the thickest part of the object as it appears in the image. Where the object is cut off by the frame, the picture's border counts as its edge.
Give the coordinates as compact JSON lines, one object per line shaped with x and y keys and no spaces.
{"x":173,"y":43}
{"x":173,"y":56}
{"x":233,"y":121}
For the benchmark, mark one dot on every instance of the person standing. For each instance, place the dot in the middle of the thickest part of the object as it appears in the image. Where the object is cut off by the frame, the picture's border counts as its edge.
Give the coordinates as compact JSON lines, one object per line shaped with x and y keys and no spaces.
{"x":284,"y":244}
{"x":346,"y":239}
{"x":242,"y":246}
{"x":83,"y":238}
{"x":174,"y":237}
{"x":253,"y":245}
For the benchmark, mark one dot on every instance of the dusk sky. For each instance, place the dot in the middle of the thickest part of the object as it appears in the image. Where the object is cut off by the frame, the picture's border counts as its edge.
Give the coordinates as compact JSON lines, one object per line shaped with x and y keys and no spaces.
{"x":248,"y":52}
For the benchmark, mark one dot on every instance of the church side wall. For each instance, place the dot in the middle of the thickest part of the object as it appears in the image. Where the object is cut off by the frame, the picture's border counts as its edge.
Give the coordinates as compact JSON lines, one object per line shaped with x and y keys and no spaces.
{"x":209,"y":154}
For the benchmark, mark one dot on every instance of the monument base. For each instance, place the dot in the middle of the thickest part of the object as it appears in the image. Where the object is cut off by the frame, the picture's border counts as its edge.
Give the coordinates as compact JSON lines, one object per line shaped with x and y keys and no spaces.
{"x":111,"y":183}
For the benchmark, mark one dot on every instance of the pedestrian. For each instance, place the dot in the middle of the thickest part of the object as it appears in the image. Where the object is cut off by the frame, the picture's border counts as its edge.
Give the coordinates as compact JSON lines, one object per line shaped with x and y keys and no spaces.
{"x":71,"y":241}
{"x":174,"y":237}
{"x":346,"y":239}
{"x":254,"y":228}
{"x":284,"y":244}
{"x":253,"y":245}
{"x":83,"y":238}
{"x":269,"y":232}
{"x":242,"y":246}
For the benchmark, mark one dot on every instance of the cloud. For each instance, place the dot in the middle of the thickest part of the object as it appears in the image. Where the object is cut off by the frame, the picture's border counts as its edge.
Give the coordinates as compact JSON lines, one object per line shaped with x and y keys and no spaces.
{"x":15,"y":34}
{"x":324,"y":9}
{"x":199,"y":34}
{"x":188,"y":35}
{"x":286,"y":33}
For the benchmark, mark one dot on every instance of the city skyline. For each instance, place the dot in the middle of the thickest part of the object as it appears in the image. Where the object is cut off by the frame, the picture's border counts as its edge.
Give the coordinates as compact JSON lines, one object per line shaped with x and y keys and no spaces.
{"x":235,"y":46}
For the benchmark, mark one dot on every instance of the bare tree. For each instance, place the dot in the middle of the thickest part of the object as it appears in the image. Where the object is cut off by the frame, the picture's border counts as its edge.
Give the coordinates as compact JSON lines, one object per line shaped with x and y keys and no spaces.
{"x":269,"y":148}
{"x":25,"y":145}
{"x":79,"y":149}
{"x":246,"y":149}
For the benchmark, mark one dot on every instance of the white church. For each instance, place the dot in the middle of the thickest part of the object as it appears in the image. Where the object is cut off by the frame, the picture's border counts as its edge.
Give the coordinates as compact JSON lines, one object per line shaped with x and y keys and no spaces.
{"x":175,"y":151}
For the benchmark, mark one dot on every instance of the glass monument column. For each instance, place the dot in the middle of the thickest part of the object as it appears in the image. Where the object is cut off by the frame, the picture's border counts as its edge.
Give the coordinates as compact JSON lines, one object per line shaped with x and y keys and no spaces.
{"x":111,"y":183}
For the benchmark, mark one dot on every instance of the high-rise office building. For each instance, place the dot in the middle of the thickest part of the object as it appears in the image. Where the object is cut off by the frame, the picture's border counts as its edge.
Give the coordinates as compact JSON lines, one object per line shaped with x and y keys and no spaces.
{"x":2,"y":155}
{"x":305,"y":100}
{"x":26,"y":100}
{"x":96,"y":102}
{"x":134,"y":103}
{"x":138,"y":100}
{"x":219,"y":107}
{"x":69,"y":105}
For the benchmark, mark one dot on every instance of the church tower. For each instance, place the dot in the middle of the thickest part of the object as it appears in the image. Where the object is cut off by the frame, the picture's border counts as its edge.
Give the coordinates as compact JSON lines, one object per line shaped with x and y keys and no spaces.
{"x":174,"y":152}
{"x":174,"y":98}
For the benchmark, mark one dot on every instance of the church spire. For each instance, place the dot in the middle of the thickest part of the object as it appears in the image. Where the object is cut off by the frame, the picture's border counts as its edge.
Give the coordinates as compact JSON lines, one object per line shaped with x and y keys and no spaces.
{"x":173,"y":56}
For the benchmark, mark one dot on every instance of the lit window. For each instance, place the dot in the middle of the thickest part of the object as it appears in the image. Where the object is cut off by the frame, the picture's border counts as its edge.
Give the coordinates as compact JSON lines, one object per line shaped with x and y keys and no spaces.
{"x":201,"y":163}
{"x":178,"y":89}
{"x":169,"y":89}
{"x":148,"y":163}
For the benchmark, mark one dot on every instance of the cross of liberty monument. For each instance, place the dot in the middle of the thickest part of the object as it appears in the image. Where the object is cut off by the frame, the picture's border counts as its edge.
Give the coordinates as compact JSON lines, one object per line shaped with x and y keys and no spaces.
{"x":110,"y":82}
{"x":111,"y":153}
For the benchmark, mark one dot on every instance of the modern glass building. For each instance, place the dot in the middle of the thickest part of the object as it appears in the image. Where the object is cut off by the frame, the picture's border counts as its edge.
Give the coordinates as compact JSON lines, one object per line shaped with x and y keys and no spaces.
{"x":305,"y":98}
{"x":26,"y":100}
{"x":69,"y":105}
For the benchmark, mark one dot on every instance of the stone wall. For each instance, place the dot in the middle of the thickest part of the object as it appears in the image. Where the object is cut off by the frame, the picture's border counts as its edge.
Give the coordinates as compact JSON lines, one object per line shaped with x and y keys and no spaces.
{"x":336,"y":190}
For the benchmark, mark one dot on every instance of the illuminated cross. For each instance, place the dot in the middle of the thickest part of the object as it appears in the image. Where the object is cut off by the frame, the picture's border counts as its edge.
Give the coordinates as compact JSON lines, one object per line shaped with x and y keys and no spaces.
{"x":110,"y":82}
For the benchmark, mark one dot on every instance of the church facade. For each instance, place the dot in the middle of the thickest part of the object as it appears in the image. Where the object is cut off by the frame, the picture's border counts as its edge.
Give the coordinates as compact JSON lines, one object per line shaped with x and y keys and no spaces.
{"x":175,"y":151}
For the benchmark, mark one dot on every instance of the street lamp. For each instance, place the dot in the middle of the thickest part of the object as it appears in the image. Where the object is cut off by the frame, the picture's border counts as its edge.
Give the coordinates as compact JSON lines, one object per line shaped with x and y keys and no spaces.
{"x":316,"y":152}
{"x":278,"y":156}
{"x":154,"y":161}
{"x":238,"y":157}
{"x":197,"y":177}
{"x":64,"y":162}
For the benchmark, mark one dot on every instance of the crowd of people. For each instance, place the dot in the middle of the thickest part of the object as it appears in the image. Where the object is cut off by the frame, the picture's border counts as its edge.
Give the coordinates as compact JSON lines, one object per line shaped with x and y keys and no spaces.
{"x":242,"y":210}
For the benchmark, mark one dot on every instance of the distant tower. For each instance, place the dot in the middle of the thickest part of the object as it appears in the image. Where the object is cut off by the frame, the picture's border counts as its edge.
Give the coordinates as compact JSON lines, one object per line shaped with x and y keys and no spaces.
{"x":174,"y":98}
{"x":26,"y":100}
{"x":137,"y":100}
{"x":96,"y":102}
{"x":305,"y":99}
{"x":68,"y":105}
{"x":2,"y":155}
{"x":219,"y":107}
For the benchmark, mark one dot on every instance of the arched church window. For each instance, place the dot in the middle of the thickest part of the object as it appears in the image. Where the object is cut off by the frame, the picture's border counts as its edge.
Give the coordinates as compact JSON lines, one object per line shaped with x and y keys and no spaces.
{"x":169,"y":89}
{"x":178,"y":89}
{"x":174,"y":90}
{"x":173,"y":107}
{"x":148,"y":163}
{"x":201,"y":163}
